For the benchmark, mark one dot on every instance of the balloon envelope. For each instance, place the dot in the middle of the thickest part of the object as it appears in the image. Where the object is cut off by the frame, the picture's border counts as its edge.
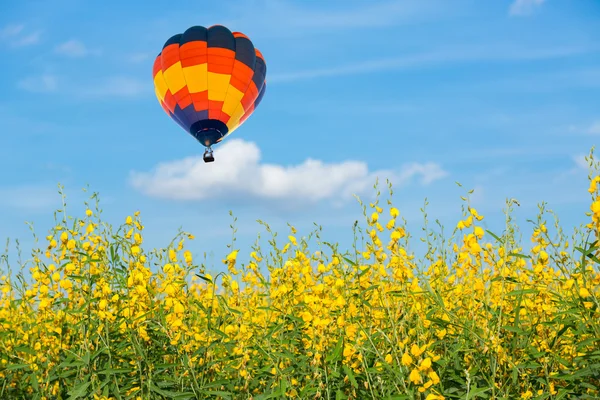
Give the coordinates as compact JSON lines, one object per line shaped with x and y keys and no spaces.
{"x":209,"y":81}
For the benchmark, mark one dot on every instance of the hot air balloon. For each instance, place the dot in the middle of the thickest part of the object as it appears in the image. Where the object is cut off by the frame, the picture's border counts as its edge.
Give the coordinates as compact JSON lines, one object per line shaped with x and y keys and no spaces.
{"x":209,"y":81}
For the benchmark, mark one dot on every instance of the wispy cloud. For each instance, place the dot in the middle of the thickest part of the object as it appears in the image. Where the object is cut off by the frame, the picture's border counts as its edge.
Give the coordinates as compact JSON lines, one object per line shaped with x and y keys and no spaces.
{"x":538,"y":82}
{"x":112,"y":86}
{"x":435,"y":57}
{"x":138,"y":57}
{"x":75,"y":48}
{"x":378,"y":14}
{"x":594,"y":129}
{"x":285,"y":17}
{"x":239,"y":173}
{"x":40,"y":84}
{"x":11,"y":31}
{"x":116,"y":86}
{"x":27,"y":40}
{"x":16,"y":35}
{"x":581,"y":162}
{"x":524,"y":7}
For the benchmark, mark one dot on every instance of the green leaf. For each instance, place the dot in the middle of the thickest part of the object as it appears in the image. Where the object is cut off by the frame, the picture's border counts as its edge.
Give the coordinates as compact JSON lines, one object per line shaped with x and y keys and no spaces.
{"x":221,"y":393}
{"x":25,"y":349}
{"x":337,"y":351}
{"x":17,"y":366}
{"x":562,"y":393}
{"x":114,"y":371}
{"x":349,"y":261}
{"x":518,"y":255}
{"x":477,"y":392}
{"x":520,"y":292}
{"x":350,"y":374}
{"x":79,"y":391}
{"x":171,"y":395}
{"x":495,"y":236}
{"x":204,"y":278}
{"x":514,"y":329}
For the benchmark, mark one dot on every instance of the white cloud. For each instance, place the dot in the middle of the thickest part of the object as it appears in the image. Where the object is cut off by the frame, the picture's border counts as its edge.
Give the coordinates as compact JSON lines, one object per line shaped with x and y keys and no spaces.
{"x":75,"y":48}
{"x":238,"y":173}
{"x":525,"y":7}
{"x":40,"y":84}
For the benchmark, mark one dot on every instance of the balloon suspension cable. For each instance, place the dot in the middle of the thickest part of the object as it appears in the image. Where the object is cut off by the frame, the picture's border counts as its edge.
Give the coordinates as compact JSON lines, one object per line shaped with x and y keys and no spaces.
{"x":208,"y":155}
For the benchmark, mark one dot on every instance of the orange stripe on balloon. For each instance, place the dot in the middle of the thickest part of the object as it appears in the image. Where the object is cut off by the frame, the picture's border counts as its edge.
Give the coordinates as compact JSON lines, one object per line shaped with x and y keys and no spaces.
{"x":218,"y":60}
{"x":157,"y":66}
{"x":250,"y":95}
{"x":259,"y":54}
{"x":214,"y":109}
{"x":248,"y":113}
{"x":221,"y":52}
{"x":242,"y":71}
{"x":170,"y":56}
{"x":183,"y":97}
{"x":192,"y":61}
{"x":240,"y":35}
{"x":219,"y":69}
{"x":200,"y":100}
{"x":224,"y":117}
{"x":193,"y":48}
{"x":170,"y":101}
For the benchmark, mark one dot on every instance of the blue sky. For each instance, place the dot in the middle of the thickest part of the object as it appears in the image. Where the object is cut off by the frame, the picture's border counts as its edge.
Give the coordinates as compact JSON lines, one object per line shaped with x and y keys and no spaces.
{"x":501,"y":96}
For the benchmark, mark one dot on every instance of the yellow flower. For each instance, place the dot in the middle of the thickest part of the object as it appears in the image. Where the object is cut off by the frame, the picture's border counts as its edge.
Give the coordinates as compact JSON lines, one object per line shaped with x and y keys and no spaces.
{"x":415,"y":376}
{"x":374,"y":217}
{"x":433,"y":396}
{"x":425,"y":364}
{"x":66,"y":284}
{"x":187,"y":255}
{"x":527,"y":395}
{"x":416,"y":350}
{"x":434,"y":377}
{"x":231,"y":257}
{"x":478,"y":231}
{"x":172,"y":255}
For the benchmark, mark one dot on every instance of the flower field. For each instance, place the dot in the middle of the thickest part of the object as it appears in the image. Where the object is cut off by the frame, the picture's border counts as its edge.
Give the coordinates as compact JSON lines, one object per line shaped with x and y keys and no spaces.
{"x":103,"y":317}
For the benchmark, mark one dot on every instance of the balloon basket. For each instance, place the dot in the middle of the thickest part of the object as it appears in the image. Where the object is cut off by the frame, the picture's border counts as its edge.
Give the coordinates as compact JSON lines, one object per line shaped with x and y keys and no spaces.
{"x":208,"y":156}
